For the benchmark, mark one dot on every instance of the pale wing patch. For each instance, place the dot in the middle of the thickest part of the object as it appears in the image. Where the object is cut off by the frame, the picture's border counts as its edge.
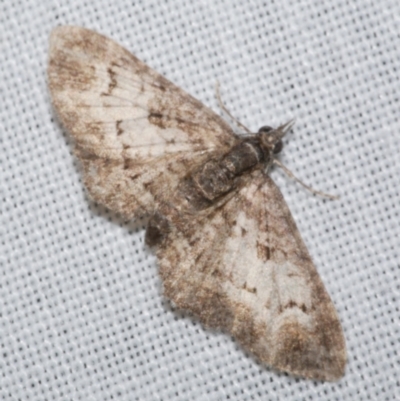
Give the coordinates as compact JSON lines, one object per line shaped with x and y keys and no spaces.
{"x":125,"y":115}
{"x":245,"y":269}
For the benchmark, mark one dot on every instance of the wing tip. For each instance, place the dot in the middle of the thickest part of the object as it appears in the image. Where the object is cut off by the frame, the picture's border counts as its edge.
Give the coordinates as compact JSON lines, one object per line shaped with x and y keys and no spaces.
{"x":61,"y":34}
{"x":319,"y":355}
{"x":61,"y":30}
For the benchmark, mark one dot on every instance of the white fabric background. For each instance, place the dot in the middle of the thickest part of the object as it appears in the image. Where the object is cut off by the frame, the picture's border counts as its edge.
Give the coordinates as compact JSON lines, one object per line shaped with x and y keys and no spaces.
{"x":82,"y":315}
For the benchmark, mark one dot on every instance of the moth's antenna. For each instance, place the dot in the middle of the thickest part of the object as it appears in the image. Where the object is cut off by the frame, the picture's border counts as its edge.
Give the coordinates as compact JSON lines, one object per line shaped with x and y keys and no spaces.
{"x":312,"y":190}
{"x":221,"y":104}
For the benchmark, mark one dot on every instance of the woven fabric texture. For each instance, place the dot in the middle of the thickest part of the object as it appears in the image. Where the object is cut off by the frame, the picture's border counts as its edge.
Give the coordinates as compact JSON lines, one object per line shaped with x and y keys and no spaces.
{"x":82,"y":316}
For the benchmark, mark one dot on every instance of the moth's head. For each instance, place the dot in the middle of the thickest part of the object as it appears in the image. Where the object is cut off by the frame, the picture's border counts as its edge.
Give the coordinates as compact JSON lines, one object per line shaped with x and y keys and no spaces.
{"x":271,"y":138}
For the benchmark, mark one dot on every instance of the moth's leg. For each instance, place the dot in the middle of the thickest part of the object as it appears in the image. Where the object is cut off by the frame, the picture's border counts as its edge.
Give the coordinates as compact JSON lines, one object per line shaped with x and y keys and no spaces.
{"x":312,"y":190}
{"x":223,"y":107}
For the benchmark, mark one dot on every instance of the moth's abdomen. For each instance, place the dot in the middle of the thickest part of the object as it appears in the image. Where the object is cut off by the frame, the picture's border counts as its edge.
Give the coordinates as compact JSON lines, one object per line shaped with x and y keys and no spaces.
{"x":203,"y":187}
{"x":216,"y":178}
{"x":213,"y":180}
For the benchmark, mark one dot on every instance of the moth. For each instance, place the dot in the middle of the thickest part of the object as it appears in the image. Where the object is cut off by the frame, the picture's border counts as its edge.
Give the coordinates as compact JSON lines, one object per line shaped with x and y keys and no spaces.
{"x":228,"y":248}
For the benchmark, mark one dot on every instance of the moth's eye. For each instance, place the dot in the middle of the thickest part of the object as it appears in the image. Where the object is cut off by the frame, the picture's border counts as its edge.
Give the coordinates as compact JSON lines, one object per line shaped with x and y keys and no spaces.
{"x":265,"y":129}
{"x":278,"y":147}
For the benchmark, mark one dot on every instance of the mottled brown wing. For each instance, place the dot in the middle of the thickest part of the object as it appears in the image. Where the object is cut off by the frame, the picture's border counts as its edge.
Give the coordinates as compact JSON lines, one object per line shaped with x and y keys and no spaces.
{"x":245,"y":269}
{"x":136,"y":133}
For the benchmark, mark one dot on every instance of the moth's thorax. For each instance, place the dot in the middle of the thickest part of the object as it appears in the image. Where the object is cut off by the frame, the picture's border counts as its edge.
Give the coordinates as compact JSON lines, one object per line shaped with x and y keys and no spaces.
{"x":245,"y":156}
